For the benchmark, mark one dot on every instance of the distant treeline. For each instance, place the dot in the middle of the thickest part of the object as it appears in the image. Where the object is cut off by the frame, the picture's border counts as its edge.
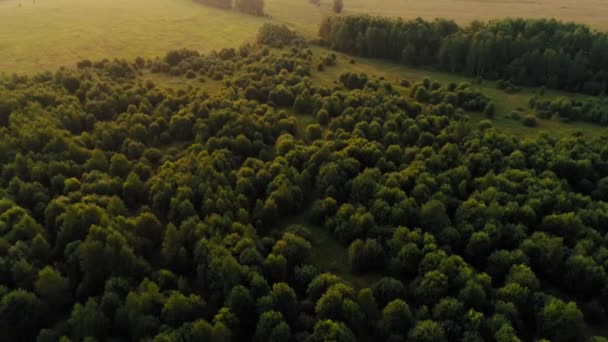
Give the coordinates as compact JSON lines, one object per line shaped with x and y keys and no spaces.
{"x":253,"y":7}
{"x":527,"y":52}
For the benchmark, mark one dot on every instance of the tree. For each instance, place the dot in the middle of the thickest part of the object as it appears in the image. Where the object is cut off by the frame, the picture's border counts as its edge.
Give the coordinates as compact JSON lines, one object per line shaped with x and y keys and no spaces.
{"x":272,"y":327}
{"x":561,"y":321}
{"x":366,"y":256}
{"x":489,"y":110}
{"x":524,"y":276}
{"x":337,"y":6}
{"x":433,"y":215}
{"x":427,"y":331}
{"x":397,"y":317}
{"x":328,"y":330}
{"x":179,"y":309}
{"x":98,"y":161}
{"x":275,"y":267}
{"x":294,"y":248}
{"x":133,"y":190}
{"x":119,"y":165}
{"x":88,"y":320}
{"x":387,"y":289}
{"x":281,"y":298}
{"x":431,"y":287}
{"x":52,"y":287}
{"x":529,"y":120}
{"x":21,"y":315}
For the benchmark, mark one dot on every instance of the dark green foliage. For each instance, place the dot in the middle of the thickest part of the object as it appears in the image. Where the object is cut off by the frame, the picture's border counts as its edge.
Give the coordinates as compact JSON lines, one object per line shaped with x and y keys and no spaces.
{"x":132,"y":211}
{"x":278,"y":36}
{"x":529,"y":120}
{"x":489,"y":111}
{"x":353,"y":81}
{"x":529,"y":52}
{"x":590,"y":109}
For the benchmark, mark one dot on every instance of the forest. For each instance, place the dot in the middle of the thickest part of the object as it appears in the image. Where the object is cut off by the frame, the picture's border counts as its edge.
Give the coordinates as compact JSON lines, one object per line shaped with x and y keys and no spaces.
{"x":134,"y":211}
{"x":530,"y":52}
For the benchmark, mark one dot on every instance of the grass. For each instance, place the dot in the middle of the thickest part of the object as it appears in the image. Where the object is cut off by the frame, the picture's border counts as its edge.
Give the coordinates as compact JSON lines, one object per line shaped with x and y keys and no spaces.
{"x":305,"y":17}
{"x":46,"y":34}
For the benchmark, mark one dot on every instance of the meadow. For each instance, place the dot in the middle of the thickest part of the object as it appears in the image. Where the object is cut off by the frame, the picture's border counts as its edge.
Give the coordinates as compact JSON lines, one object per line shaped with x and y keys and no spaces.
{"x":46,"y":34}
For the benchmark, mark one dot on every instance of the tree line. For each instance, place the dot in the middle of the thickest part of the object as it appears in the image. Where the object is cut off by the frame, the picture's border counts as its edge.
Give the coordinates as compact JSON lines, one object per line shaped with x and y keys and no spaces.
{"x":529,"y":52}
{"x":253,"y":7}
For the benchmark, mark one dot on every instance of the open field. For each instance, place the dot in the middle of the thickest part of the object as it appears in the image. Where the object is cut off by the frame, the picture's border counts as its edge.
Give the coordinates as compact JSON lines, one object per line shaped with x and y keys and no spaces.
{"x":304,"y":16}
{"x":52,"y":33}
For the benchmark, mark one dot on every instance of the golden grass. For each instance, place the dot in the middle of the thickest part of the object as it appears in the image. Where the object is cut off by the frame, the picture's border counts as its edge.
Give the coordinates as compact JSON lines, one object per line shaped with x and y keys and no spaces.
{"x":51,"y":33}
{"x":305,"y":17}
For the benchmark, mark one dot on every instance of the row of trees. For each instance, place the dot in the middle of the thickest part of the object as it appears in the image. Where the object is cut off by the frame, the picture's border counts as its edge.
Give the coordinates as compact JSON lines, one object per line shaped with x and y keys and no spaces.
{"x":133,"y":211}
{"x":253,"y":7}
{"x":530,"y":52}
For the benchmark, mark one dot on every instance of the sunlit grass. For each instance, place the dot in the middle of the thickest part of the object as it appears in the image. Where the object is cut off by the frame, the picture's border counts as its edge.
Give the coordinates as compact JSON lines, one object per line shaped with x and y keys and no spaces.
{"x":51,"y":33}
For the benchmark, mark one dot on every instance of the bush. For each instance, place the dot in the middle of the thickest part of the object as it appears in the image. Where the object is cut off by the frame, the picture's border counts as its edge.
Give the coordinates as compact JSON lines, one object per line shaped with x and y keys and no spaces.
{"x":529,"y":120}
{"x":489,"y":110}
{"x":515,"y":115}
{"x":276,"y":35}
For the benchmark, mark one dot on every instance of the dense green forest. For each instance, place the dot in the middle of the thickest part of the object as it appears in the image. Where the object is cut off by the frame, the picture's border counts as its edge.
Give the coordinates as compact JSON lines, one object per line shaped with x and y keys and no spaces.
{"x":527,"y":52}
{"x":134,"y":211}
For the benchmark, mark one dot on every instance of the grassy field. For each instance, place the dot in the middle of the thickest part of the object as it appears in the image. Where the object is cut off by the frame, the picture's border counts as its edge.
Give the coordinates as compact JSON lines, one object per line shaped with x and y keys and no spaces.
{"x":46,"y":34}
{"x":304,"y":16}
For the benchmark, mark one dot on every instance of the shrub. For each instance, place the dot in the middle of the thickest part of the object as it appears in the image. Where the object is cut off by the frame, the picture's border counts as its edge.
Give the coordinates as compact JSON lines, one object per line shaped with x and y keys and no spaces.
{"x":529,"y":120}
{"x":277,"y":36}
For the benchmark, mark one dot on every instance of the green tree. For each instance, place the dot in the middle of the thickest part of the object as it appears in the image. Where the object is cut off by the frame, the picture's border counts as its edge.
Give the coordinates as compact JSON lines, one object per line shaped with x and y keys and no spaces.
{"x":52,"y":287}
{"x":119,"y":165}
{"x":397,"y":317}
{"x":561,"y":321}
{"x":88,"y":320}
{"x":328,"y":330}
{"x":272,"y":327}
{"x":21,"y":315}
{"x":427,"y":331}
